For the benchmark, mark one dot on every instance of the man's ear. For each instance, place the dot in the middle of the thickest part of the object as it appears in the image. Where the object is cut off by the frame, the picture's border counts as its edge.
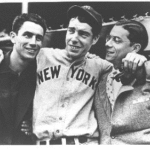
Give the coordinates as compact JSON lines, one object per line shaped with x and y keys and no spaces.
{"x":12,"y":37}
{"x":95,"y":39}
{"x":136,"y":47}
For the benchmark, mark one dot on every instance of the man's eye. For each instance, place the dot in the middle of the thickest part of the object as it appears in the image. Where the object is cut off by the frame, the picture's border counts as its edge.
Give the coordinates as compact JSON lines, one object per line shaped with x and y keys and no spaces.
{"x":83,"y":34}
{"x":27,"y":35}
{"x":39,"y":38}
{"x":117,"y":40}
{"x":70,"y":30}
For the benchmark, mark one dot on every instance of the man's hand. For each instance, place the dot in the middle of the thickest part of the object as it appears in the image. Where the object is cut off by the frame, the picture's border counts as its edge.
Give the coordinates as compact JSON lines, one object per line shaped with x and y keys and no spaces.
{"x":90,"y":55}
{"x":133,"y":61}
{"x":26,"y":127}
{"x":147,"y":69}
{"x":1,"y":55}
{"x":146,"y":87}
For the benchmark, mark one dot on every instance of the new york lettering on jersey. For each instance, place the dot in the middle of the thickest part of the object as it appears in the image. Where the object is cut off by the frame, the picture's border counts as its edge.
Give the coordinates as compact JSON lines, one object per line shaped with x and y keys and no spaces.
{"x":77,"y":73}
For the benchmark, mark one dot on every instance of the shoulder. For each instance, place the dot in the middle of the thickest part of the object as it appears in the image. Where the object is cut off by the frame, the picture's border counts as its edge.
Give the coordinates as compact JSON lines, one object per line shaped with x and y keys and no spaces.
{"x":97,"y":59}
{"x":99,"y":63}
{"x":47,"y":52}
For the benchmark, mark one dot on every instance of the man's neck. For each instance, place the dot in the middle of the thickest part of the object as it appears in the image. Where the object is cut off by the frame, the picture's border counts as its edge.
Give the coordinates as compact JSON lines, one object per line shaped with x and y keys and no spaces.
{"x":117,"y":63}
{"x":75,"y":60}
{"x":16,"y":63}
{"x":116,"y":66}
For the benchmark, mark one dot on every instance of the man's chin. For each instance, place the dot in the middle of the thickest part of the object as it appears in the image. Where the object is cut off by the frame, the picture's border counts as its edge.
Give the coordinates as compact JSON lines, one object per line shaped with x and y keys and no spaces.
{"x":108,"y":58}
{"x":72,"y":55}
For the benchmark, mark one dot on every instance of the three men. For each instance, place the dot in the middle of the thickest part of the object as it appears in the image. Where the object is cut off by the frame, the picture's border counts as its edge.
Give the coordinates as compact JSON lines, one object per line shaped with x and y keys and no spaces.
{"x":18,"y":77}
{"x":66,"y":81}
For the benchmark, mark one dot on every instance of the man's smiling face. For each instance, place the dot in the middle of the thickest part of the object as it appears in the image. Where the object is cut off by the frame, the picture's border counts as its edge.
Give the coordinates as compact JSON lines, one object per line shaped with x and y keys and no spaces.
{"x":28,"y":41}
{"x":79,"y":39}
{"x":117,"y":45}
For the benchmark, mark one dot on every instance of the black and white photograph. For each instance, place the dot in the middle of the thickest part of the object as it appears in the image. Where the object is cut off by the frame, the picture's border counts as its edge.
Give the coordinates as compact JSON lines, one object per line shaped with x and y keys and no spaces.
{"x":74,"y":73}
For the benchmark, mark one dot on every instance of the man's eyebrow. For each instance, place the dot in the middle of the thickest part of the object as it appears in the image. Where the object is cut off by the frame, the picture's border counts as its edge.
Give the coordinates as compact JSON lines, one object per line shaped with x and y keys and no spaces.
{"x":30,"y":33}
{"x":117,"y":37}
{"x":80,"y":30}
{"x":71,"y":27}
{"x":84,"y":31}
{"x":27,"y":32}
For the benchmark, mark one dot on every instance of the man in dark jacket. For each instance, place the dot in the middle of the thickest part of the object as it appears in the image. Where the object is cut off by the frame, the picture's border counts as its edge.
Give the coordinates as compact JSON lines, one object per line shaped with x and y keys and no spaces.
{"x":17,"y":78}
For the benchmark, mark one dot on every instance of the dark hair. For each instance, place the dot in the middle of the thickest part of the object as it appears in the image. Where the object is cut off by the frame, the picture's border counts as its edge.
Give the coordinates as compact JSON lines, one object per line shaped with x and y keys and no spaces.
{"x":137,"y":32}
{"x":85,"y":19}
{"x":86,"y":14}
{"x":19,"y":20}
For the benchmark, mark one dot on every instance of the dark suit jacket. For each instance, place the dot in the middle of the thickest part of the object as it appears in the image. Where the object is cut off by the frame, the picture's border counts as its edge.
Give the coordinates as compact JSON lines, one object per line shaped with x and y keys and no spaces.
{"x":12,"y":113}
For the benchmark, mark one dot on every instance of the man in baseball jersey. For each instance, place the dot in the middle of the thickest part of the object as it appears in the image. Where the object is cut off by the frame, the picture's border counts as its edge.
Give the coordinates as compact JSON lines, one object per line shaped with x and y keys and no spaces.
{"x":66,"y":81}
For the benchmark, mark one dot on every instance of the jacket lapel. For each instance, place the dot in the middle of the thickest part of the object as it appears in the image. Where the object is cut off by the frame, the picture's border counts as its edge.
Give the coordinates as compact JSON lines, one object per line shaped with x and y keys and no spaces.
{"x":26,"y":95}
{"x":25,"y":99}
{"x":124,"y":89}
{"x":5,"y":97}
{"x":102,"y":110}
{"x":6,"y":109}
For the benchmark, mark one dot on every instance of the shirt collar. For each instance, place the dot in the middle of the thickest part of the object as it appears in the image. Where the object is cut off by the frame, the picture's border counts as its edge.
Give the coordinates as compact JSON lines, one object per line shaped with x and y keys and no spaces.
{"x":4,"y":65}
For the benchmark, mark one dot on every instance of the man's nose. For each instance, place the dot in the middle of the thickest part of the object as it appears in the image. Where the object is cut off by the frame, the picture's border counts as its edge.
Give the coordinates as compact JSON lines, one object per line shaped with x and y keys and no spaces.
{"x":74,"y":37}
{"x":33,"y":40}
{"x":109,"y":43}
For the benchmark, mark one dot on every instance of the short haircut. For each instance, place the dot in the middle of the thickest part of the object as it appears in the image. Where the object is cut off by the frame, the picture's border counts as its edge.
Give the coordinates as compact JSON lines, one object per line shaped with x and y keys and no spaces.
{"x":96,"y":29}
{"x":19,"y":20}
{"x":86,"y":14}
{"x":137,"y":32}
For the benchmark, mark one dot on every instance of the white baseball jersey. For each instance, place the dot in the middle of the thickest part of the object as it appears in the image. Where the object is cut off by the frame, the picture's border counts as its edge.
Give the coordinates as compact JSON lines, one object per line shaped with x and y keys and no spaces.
{"x":64,"y":94}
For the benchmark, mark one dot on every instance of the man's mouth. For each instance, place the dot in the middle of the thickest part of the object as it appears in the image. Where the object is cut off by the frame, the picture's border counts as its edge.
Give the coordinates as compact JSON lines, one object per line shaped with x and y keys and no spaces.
{"x":109,"y":52}
{"x":31,"y":50}
{"x":74,"y":47}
